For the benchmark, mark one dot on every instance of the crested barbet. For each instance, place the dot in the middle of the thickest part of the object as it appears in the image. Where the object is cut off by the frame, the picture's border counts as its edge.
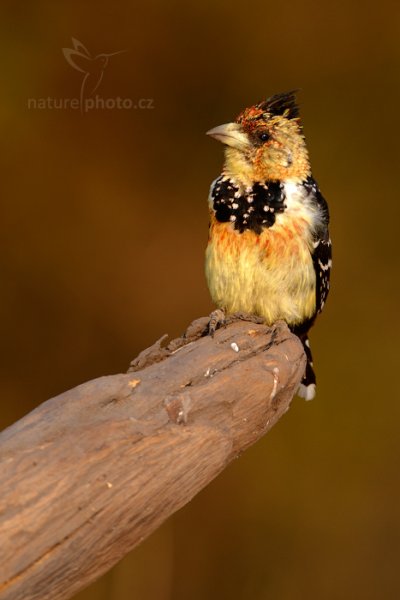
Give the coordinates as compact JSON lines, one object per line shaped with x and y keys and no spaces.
{"x":269,"y":251}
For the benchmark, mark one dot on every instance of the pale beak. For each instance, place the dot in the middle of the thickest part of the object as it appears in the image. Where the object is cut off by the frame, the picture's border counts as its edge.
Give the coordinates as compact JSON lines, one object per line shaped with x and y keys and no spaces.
{"x":230,"y":134}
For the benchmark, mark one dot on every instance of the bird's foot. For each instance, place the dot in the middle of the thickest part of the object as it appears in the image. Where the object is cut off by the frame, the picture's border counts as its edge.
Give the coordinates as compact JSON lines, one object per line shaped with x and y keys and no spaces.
{"x":217,"y":319}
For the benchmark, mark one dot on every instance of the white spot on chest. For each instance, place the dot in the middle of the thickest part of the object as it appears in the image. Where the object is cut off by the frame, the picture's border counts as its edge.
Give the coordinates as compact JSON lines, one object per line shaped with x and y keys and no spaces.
{"x":300,"y":207}
{"x":295,"y":196}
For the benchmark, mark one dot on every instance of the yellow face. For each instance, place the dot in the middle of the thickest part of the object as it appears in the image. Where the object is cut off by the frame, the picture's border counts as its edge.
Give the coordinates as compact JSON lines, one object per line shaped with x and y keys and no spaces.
{"x":262,"y":146}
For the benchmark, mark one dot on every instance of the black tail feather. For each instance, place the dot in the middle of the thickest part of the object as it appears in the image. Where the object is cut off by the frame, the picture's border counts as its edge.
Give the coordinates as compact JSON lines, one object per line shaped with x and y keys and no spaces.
{"x":308,"y":383}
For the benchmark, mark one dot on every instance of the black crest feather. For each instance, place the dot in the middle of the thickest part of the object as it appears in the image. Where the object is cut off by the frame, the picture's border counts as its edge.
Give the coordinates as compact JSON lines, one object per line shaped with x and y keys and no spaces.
{"x":281,"y":104}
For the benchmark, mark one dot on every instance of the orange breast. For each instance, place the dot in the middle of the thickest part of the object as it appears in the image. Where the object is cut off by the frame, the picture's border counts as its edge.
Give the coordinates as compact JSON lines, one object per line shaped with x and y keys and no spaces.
{"x":276,"y":242}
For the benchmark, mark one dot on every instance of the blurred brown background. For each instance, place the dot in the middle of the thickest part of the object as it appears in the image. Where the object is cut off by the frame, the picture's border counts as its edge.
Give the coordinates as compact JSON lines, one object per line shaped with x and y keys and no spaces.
{"x":103,"y":229}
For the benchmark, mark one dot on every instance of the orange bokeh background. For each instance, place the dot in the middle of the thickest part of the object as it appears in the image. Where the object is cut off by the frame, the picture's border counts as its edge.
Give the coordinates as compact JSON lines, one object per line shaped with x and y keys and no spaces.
{"x":103,"y":229}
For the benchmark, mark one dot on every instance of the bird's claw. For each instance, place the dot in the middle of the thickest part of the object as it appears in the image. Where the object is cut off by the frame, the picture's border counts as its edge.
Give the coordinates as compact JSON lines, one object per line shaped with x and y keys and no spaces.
{"x":217,"y":319}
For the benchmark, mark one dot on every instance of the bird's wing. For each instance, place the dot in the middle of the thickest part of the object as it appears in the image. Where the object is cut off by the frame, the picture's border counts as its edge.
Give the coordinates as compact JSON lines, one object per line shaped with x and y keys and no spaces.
{"x":322,"y":252}
{"x":321,"y":256}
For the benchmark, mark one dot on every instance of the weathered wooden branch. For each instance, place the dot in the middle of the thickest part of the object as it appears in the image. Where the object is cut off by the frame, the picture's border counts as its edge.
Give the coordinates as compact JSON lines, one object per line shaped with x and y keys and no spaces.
{"x":89,"y":474}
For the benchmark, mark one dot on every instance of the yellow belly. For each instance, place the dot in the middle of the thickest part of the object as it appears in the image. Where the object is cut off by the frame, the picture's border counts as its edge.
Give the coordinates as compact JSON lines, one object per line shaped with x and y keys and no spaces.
{"x":270,"y":275}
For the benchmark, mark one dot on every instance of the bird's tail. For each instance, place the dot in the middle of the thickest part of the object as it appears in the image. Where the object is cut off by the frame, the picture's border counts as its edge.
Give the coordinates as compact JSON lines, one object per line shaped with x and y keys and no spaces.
{"x":307,"y":386}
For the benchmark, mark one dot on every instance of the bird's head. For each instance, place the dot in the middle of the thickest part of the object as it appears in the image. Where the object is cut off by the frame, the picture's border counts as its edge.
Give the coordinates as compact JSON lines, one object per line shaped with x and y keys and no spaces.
{"x":265,"y":142}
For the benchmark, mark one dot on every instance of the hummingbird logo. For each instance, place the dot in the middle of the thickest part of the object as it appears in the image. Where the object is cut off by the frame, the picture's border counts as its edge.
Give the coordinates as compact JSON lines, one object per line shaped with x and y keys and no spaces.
{"x":92,"y":67}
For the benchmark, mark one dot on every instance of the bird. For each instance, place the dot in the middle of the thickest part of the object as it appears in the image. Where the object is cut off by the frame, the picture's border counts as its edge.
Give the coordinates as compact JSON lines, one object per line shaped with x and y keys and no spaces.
{"x":269,"y":252}
{"x":93,"y":67}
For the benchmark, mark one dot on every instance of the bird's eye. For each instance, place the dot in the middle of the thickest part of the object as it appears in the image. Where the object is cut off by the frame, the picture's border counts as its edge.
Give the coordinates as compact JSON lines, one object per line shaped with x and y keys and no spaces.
{"x":264,"y":137}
